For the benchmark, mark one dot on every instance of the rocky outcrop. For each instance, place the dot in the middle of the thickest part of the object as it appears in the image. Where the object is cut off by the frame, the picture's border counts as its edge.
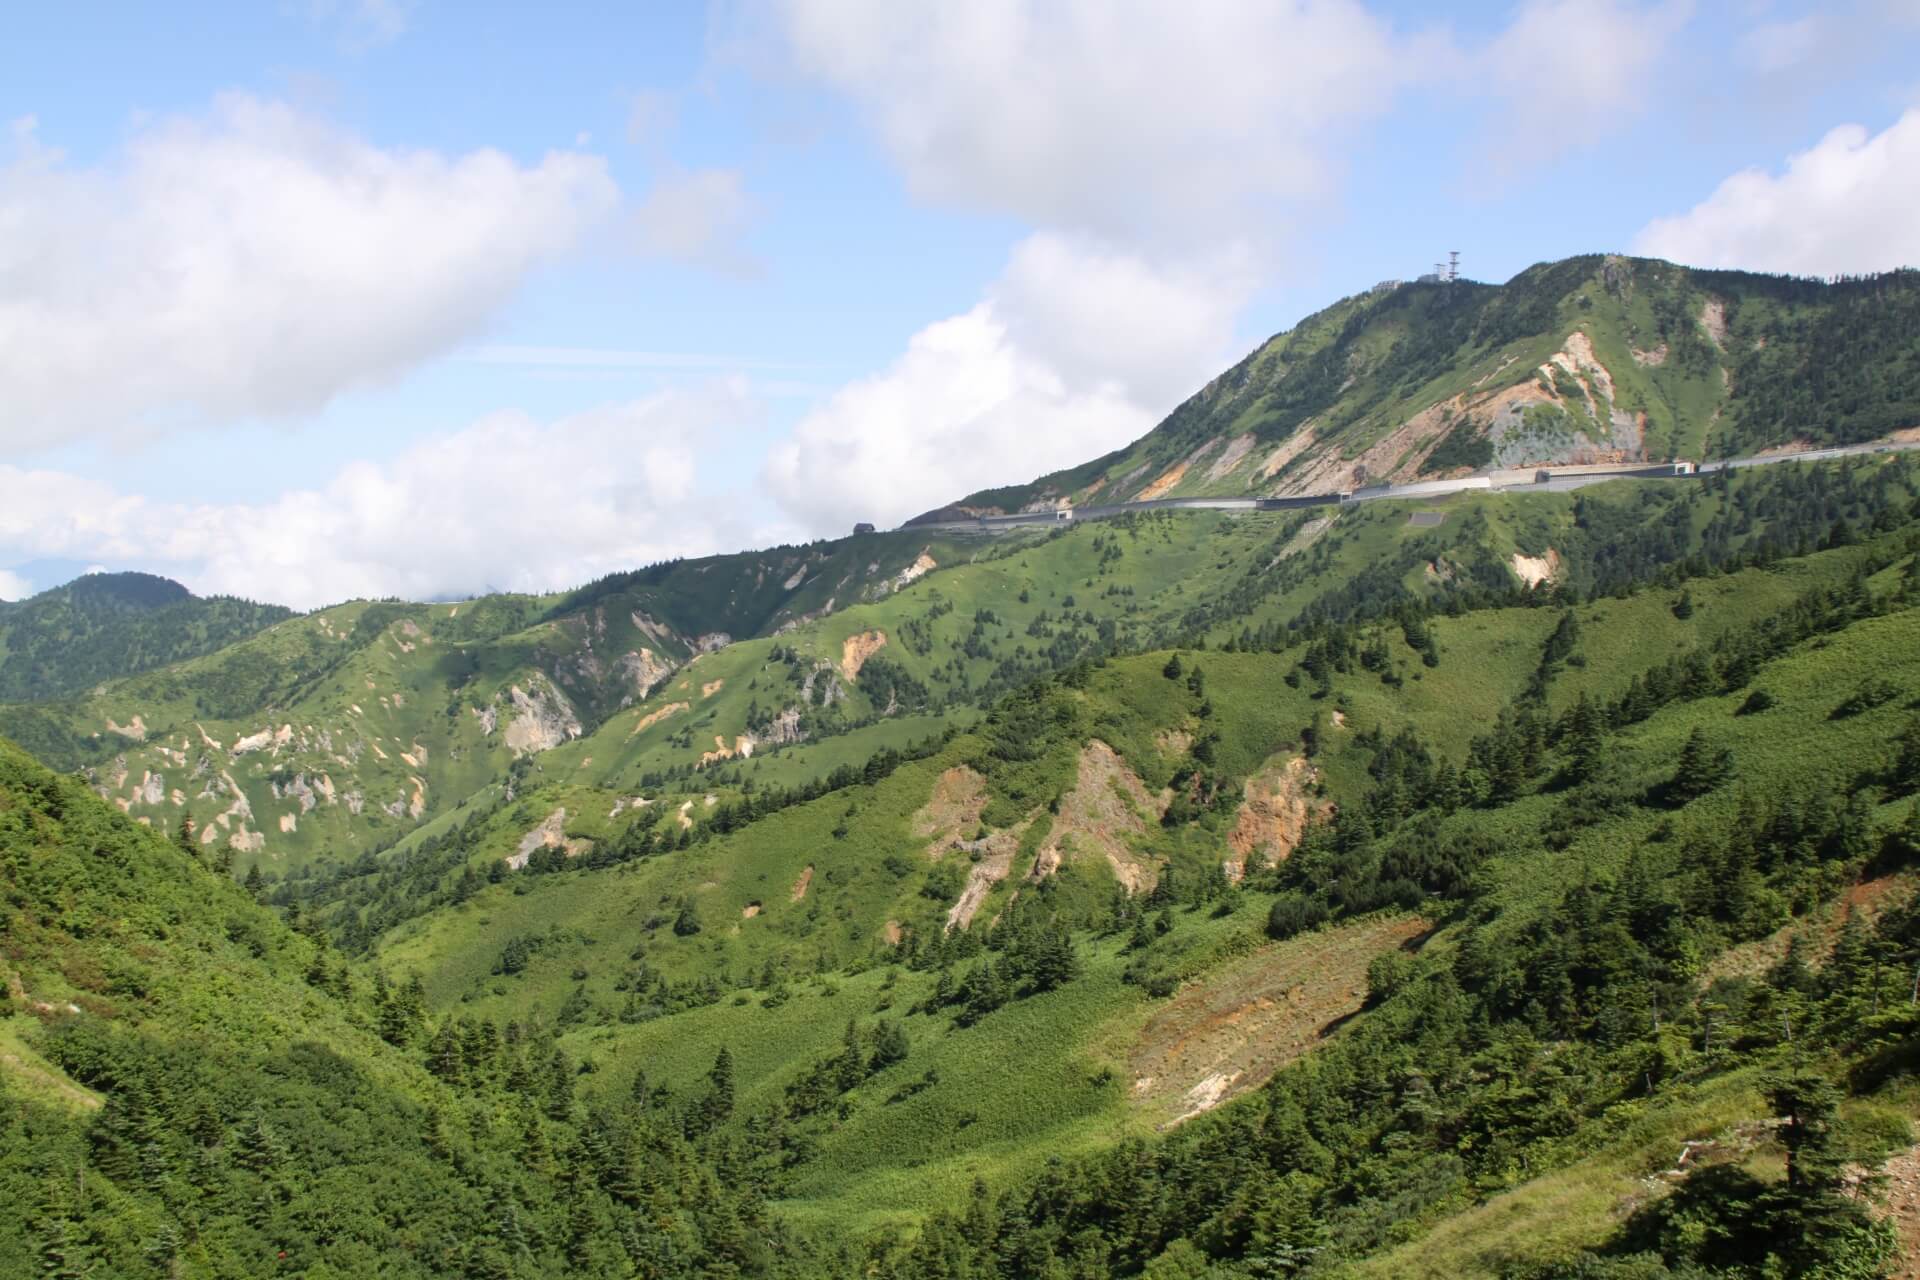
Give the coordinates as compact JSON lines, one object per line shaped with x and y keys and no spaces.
{"x":542,"y":718}
{"x":644,"y":670}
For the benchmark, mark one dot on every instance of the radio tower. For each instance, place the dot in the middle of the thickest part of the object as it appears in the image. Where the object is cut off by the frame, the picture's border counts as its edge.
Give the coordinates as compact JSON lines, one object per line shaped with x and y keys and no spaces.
{"x":1453,"y":266}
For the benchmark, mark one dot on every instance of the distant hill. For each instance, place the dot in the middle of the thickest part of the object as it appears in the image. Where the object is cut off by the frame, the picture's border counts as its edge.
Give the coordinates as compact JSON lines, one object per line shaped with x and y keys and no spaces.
{"x":107,"y":625}
{"x":1592,"y":359}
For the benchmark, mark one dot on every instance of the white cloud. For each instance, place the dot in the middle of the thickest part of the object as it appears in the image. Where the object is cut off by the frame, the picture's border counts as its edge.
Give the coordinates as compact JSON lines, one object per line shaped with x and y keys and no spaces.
{"x":508,"y":502}
{"x":1846,"y":205}
{"x":615,"y":358}
{"x":697,"y":218}
{"x":1571,"y":70}
{"x":255,"y":262}
{"x":13,"y":586}
{"x":1125,"y":118}
{"x":1129,"y":132}
{"x":1065,"y":360}
{"x":1094,"y":313}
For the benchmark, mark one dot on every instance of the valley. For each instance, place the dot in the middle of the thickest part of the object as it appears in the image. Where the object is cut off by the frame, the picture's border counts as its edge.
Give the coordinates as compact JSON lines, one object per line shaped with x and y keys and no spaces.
{"x":1382,"y":886}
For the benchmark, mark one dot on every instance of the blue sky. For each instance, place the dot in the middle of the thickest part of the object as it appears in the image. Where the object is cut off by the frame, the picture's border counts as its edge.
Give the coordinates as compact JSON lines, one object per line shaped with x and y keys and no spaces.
{"x":338,"y":297}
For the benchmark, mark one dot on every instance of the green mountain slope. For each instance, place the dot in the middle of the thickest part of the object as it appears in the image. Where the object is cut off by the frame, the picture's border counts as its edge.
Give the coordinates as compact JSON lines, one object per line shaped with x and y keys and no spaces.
{"x":342,"y":729}
{"x":1591,"y":359}
{"x":1480,"y":878}
{"x":1383,"y":890}
{"x":189,"y":1087}
{"x":1189,"y":895}
{"x":107,"y":625}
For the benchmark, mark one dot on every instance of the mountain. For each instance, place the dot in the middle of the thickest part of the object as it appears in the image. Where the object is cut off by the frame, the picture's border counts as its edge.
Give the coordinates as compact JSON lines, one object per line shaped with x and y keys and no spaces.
{"x":1519,"y":884}
{"x":1398,"y":920}
{"x":1596,"y":358}
{"x":106,"y":625}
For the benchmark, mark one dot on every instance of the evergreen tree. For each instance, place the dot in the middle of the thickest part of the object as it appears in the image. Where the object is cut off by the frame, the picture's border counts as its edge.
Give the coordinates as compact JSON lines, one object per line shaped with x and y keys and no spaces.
{"x":1702,"y":767}
{"x":889,"y":1045}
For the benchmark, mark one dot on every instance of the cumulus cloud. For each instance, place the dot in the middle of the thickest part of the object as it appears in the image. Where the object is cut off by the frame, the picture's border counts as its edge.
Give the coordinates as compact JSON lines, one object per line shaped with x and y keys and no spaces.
{"x":13,"y":586}
{"x":1129,"y":132}
{"x":255,"y":262}
{"x":1058,"y":365}
{"x":1570,"y":70}
{"x":1843,"y":206}
{"x":508,"y":502}
{"x":1124,"y":118}
{"x":698,"y":218}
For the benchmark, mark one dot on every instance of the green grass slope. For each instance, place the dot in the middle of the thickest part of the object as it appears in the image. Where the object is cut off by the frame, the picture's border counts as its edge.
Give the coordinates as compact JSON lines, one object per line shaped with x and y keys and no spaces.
{"x":189,"y":1087}
{"x":772,"y":940}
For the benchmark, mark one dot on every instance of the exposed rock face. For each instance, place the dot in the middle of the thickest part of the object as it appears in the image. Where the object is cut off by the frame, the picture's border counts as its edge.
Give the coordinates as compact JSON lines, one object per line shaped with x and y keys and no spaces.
{"x":782,"y":730}
{"x":542,"y":718}
{"x":920,"y":568}
{"x":712,"y":641}
{"x":550,"y":834}
{"x":644,"y":669}
{"x":1534,"y":570}
{"x":253,"y":742}
{"x":834,"y":692}
{"x":1272,"y":817}
{"x":657,"y":632}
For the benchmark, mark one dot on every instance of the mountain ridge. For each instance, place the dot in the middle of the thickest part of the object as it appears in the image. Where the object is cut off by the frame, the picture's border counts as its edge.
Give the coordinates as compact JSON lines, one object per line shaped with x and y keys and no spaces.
{"x":102,"y":626}
{"x":1591,"y":358}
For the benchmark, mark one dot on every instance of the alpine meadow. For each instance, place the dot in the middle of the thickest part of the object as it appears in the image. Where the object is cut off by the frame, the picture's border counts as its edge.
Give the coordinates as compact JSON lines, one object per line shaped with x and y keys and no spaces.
{"x":1435,"y":796}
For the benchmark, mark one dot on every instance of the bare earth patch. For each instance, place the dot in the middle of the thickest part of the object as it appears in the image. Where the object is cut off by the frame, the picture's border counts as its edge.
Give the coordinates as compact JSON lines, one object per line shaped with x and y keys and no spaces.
{"x":1224,"y":1037}
{"x":1107,"y":809}
{"x":1172,"y":476}
{"x":652,"y":718}
{"x":749,"y":911}
{"x":1902,"y":1205}
{"x":711,"y":687}
{"x":800,"y":885}
{"x":1272,"y":817}
{"x":1821,"y":930}
{"x":1713,"y":318}
{"x":953,"y":811}
{"x":856,"y":649}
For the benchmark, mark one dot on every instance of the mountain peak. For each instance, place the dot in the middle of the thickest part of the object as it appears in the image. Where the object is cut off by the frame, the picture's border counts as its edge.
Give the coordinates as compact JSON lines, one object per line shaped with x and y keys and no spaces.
{"x":1594,"y":358}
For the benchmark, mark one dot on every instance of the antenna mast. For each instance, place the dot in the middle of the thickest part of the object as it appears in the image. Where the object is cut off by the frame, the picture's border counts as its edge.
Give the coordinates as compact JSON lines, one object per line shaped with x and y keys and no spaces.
{"x":1453,"y":266}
